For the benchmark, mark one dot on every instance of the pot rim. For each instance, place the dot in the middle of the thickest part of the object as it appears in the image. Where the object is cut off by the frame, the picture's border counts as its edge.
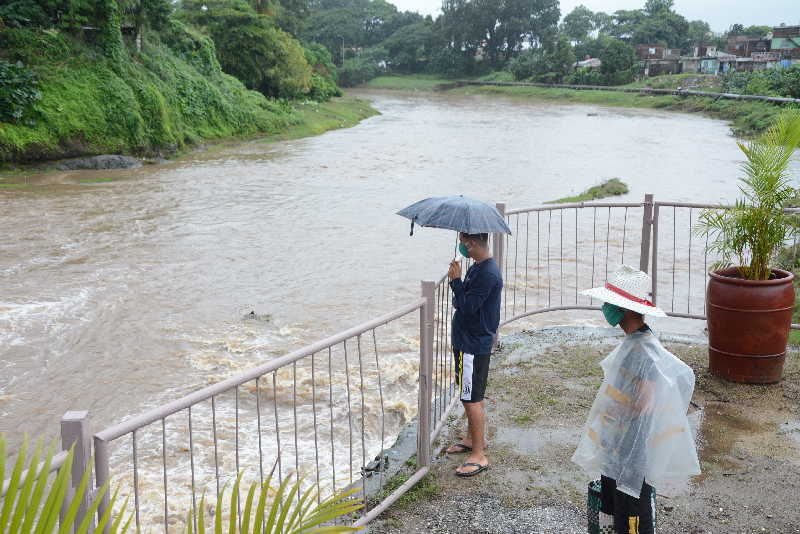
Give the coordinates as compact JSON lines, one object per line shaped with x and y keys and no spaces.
{"x":723,"y":276}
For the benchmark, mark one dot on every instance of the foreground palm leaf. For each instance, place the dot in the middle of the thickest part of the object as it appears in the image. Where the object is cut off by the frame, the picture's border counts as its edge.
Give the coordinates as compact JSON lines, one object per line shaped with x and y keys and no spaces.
{"x":292,"y":511}
{"x":31,"y":504}
{"x":752,"y":233}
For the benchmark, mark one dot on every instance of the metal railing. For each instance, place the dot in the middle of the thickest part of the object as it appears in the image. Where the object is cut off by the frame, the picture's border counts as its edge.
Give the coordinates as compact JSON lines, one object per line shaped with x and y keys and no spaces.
{"x":328,"y":412}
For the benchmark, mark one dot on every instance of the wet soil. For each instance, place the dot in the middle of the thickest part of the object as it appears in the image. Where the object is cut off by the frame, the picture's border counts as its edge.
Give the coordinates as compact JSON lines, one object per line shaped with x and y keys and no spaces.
{"x":541,"y":387}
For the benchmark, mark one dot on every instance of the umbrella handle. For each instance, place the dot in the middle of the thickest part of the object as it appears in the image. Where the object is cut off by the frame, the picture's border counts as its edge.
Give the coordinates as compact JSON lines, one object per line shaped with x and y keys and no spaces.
{"x":412,"y":228}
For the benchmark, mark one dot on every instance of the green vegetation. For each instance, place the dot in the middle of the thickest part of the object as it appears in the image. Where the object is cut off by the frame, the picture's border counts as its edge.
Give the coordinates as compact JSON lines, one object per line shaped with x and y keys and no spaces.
{"x":747,"y":118}
{"x":315,"y":118}
{"x":752,"y":234}
{"x":696,"y":82}
{"x":408,"y":83}
{"x":421,"y":491}
{"x":33,"y":502}
{"x":773,"y":82}
{"x":609,"y":188}
{"x":287,"y":509}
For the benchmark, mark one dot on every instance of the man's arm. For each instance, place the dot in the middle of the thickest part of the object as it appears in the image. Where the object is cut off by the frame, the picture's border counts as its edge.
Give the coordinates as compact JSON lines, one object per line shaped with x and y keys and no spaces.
{"x":469,"y":302}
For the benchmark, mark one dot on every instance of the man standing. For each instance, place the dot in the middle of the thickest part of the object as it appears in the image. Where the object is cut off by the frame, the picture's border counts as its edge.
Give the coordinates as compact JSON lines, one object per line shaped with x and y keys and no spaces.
{"x":475,"y":323}
{"x":637,"y":435}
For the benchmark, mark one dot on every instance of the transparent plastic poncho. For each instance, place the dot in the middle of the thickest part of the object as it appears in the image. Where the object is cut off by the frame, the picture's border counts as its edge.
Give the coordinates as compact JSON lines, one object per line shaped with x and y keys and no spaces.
{"x":638,"y":427}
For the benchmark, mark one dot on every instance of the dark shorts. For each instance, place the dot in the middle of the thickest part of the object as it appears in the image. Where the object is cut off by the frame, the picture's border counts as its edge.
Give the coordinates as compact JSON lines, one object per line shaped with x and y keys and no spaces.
{"x":471,"y":375}
{"x":631,"y":516}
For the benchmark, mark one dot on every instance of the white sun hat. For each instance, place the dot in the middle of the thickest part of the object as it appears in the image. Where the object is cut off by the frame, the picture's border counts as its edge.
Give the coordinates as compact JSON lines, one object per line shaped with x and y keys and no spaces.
{"x":628,"y":288}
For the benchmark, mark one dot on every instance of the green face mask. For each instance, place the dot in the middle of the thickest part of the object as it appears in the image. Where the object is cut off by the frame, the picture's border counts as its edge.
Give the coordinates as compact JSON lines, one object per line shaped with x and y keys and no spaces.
{"x":613,"y":314}
{"x":462,"y":248}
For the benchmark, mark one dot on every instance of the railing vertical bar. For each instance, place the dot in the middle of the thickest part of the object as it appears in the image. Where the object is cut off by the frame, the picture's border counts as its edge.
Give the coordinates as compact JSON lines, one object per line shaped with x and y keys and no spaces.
{"x":349,"y":408}
{"x":136,"y":481}
{"x":549,"y":278}
{"x":538,"y":258}
{"x":363,"y":418}
{"x":705,"y":271}
{"x":449,"y":349}
{"x":654,"y":274}
{"x":505,"y":276}
{"x":164,"y":465}
{"x":516,"y":272}
{"x":380,"y":393}
{"x":561,"y":254}
{"x":258,"y":428}
{"x":527,"y":251}
{"x":314,"y":407}
{"x":594,"y":243}
{"x":277,"y":424}
{"x":689,"y":298}
{"x":674,"y":252}
{"x":624,"y":234}
{"x":294,"y":414}
{"x":608,"y":239}
{"x":330,"y":404}
{"x":437,"y":374}
{"x":214,"y":435}
{"x":576,"y":257}
{"x":191,"y":463}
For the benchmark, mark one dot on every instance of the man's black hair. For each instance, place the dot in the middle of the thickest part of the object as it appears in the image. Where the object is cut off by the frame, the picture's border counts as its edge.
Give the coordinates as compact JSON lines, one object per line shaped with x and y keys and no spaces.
{"x":483,"y":239}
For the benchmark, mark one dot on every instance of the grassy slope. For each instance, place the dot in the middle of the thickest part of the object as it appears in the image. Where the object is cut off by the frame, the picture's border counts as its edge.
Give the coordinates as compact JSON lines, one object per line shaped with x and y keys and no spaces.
{"x":610,"y":188}
{"x":165,"y":100}
{"x":747,"y":118}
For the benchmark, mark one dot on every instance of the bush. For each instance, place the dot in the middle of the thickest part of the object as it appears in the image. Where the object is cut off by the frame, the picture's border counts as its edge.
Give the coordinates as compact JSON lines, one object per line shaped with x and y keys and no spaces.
{"x":783,"y":82}
{"x":452,"y":63}
{"x":324,"y":75}
{"x":497,"y":76}
{"x":586,"y":76}
{"x":358,"y":71}
{"x":19,"y":91}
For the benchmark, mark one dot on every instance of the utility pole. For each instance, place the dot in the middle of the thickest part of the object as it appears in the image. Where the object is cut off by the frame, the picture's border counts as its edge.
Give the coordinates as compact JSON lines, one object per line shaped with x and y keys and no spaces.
{"x":342,"y":50}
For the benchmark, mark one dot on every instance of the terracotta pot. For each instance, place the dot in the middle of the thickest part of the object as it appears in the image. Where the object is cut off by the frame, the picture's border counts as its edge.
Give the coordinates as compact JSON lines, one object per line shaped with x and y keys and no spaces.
{"x":748,"y":325}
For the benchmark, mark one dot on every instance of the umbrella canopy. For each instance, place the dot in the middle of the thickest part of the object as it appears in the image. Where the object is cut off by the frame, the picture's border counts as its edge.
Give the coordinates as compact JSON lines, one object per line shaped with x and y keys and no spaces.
{"x":458,"y":213}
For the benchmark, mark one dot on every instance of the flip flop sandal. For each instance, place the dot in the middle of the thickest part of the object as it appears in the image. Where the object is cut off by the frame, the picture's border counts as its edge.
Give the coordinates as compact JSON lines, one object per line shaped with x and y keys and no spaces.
{"x":481,"y":468}
{"x":462,"y":449}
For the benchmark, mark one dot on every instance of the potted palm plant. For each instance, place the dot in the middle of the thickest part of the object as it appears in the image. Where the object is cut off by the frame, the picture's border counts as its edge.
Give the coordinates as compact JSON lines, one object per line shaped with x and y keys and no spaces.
{"x":749,"y":302}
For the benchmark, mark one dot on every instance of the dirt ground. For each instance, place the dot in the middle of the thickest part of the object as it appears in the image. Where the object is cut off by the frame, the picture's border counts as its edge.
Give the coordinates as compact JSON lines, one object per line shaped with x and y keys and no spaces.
{"x":541,"y":387}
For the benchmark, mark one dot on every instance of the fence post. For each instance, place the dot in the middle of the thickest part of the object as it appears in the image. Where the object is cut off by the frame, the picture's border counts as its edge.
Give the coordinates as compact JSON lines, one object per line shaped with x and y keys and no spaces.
{"x":499,"y":242}
{"x":647,"y":225}
{"x":75,"y":431}
{"x":425,"y":372}
{"x":101,"y":471}
{"x":654,"y":274}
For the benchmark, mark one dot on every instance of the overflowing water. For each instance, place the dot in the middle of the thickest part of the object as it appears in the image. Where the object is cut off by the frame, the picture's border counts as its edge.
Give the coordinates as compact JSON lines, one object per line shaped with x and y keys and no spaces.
{"x":122,"y":290}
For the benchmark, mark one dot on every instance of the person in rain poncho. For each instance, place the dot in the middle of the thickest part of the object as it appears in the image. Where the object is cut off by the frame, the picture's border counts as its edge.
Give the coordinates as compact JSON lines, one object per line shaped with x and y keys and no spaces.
{"x":637,"y":436}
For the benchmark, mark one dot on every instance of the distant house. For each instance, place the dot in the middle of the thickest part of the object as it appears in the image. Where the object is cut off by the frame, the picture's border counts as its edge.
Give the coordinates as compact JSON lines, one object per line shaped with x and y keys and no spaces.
{"x":703,"y":51}
{"x":647,"y":51}
{"x":786,"y":42}
{"x":745,"y":45}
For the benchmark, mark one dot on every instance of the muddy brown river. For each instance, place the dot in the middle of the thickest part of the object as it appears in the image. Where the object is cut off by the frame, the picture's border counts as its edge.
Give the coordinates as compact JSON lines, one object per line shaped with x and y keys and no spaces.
{"x":122,"y":290}
{"x":119,"y":294}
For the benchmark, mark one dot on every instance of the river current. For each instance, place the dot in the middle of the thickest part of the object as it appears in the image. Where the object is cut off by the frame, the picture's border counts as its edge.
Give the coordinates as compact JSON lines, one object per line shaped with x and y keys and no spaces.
{"x":122,"y":290}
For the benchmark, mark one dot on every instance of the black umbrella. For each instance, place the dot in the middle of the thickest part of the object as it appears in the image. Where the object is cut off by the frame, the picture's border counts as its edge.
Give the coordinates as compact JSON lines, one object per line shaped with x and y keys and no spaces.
{"x":459,"y":213}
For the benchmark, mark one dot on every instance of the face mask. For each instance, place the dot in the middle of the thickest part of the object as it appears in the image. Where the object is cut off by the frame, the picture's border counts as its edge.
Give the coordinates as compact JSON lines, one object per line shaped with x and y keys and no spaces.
{"x":613,"y":314}
{"x":462,"y":248}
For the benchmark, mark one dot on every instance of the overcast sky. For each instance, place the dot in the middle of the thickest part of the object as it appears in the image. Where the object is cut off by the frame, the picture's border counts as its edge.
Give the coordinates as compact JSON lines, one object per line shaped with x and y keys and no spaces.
{"x":719,"y":13}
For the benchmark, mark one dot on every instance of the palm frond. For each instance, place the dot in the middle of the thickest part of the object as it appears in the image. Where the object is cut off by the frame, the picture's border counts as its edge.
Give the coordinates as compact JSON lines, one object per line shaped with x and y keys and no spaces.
{"x":754,"y":230}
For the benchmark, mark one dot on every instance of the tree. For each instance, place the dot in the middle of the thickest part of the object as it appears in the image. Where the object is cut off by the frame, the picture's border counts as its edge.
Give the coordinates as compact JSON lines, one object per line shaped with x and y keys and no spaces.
{"x":654,"y":7}
{"x":578,"y":24}
{"x":548,"y":66}
{"x":618,"y":59}
{"x":274,"y":64}
{"x":699,"y":33}
{"x":410,"y":47}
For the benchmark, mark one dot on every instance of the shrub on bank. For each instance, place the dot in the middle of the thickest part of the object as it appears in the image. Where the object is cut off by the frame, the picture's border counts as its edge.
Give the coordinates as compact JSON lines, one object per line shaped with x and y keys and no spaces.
{"x":784,"y":82}
{"x":164,"y":99}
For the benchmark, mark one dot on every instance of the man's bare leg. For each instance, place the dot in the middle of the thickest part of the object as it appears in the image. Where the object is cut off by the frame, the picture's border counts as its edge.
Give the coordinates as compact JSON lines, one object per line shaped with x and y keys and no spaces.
{"x":476,"y":425}
{"x":467,"y":440}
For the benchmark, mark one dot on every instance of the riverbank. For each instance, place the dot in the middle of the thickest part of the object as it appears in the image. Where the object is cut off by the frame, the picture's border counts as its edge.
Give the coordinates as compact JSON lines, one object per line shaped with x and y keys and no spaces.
{"x":163,"y":100}
{"x":748,"y":439}
{"x":309,"y":119}
{"x":747,"y":118}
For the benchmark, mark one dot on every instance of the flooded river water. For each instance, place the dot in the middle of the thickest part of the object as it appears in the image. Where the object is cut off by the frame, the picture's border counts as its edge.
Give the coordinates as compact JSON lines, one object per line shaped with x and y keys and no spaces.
{"x":125,"y":289}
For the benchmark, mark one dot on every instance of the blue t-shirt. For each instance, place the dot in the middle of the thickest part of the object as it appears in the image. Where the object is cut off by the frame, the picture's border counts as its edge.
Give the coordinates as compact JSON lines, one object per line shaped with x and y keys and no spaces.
{"x":477,"y":304}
